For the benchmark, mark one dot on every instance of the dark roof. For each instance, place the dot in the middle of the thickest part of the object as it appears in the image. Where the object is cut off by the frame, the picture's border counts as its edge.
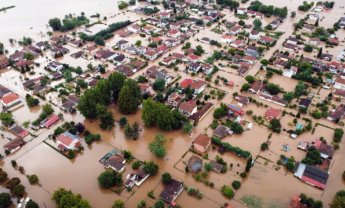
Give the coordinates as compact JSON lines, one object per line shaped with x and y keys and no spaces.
{"x":221,"y":131}
{"x":194,"y":164}
{"x":3,"y":91}
{"x":316,"y":174}
{"x":216,"y":166}
{"x":171,"y":190}
{"x":304,"y":102}
{"x":14,"y":144}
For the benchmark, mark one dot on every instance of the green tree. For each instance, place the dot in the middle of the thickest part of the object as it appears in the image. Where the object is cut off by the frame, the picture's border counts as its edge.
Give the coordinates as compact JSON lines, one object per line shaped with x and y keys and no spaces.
{"x":66,"y":199}
{"x":123,"y":121}
{"x":159,"y":204}
{"x":150,"y":168}
{"x":118,"y":204}
{"x":109,"y":178}
{"x":250,"y":79}
{"x":129,"y":97}
{"x":18,"y":190}
{"x":338,"y":135}
{"x":339,"y":200}
{"x":273,"y":89}
{"x":33,"y":179}
{"x":187,"y":128}
{"x":313,"y":157}
{"x":55,"y":24}
{"x":157,"y":146}
{"x":227,"y":192}
{"x":257,"y":24}
{"x":141,"y":204}
{"x":159,"y":85}
{"x":116,"y":81}
{"x":6,"y":118}
{"x":236,"y":185}
{"x":106,"y":118}
{"x":166,"y":178}
{"x":5,"y":200}
{"x":31,"y":204}
{"x":275,"y":125}
{"x":288,"y":96}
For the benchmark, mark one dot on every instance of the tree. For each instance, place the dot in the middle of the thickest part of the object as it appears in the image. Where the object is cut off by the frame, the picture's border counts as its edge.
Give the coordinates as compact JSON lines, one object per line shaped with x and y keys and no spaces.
{"x":227,"y":192}
{"x":300,"y":89}
{"x":313,"y":157}
{"x":293,"y":14}
{"x":257,"y":24}
{"x":236,"y":185}
{"x":339,"y":200}
{"x":6,"y":118}
{"x":308,"y":48}
{"x":264,"y":146}
{"x":166,"y":178}
{"x":220,"y":112}
{"x":123,"y":121}
{"x":199,"y":50}
{"x":250,"y":79}
{"x":118,"y":204}
{"x":5,"y":200}
{"x":141,"y":204}
{"x":150,"y":168}
{"x":80,"y":127}
{"x":319,"y":54}
{"x":288,"y":96}
{"x":116,"y":81}
{"x":64,"y":199}
{"x":106,"y":118}
{"x":273,"y":89}
{"x":264,"y":62}
{"x":187,"y":128}
{"x":245,"y":87}
{"x":129,"y":97}
{"x":275,"y":125}
{"x":236,"y":128}
{"x":338,"y":135}
{"x":159,"y":85}
{"x":55,"y":24}
{"x":31,"y":204}
{"x":157,"y":146}
{"x":18,"y":190}
{"x":33,"y":179}
{"x":109,"y":178}
{"x":159,"y":204}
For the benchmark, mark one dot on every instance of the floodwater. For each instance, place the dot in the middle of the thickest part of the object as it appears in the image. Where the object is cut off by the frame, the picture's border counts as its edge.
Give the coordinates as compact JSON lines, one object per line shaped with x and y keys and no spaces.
{"x":275,"y":187}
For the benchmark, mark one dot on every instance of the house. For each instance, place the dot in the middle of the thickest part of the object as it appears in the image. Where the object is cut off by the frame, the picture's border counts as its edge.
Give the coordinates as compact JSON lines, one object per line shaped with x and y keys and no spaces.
{"x":3,"y":91}
{"x":71,"y":103}
{"x":256,"y":86}
{"x":314,"y":41}
{"x":10,"y":99}
{"x":148,"y":30}
{"x":342,"y":21}
{"x":207,"y":69}
{"x":274,"y":24}
{"x":292,"y":40}
{"x":116,"y":162}
{"x":222,"y":131}
{"x":235,"y":30}
{"x":266,"y":40}
{"x":194,"y":164}
{"x":171,"y":191}
{"x":24,"y":63}
{"x":122,"y":44}
{"x":242,"y":100}
{"x":227,"y":39}
{"x":162,"y":49}
{"x":304,"y":103}
{"x":197,"y":85}
{"x":201,"y":143}
{"x":58,"y":51}
{"x":4,"y":62}
{"x":67,"y":141}
{"x":18,"y":131}
{"x":254,"y":35}
{"x":311,"y":175}
{"x":337,"y":114}
{"x":174,"y":33}
{"x":47,"y":123}
{"x":326,"y":150}
{"x":194,"y":67}
{"x":14,"y":145}
{"x":164,"y":75}
{"x":54,"y":66}
{"x":119,"y":58}
{"x":215,"y":166}
{"x":272,"y":113}
{"x":151,"y":54}
{"x":134,"y":28}
{"x":136,"y":178}
{"x":200,"y":114}
{"x":237,"y":44}
{"x":174,"y":99}
{"x":105,"y":54}
{"x":339,"y":83}
{"x":241,"y":11}
{"x":188,"y":108}
{"x":19,"y":55}
{"x":237,"y":110}
{"x":169,"y":60}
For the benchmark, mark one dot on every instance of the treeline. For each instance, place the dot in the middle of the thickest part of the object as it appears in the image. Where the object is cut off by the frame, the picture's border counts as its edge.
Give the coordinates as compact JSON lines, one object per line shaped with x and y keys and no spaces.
{"x":158,"y":114}
{"x":104,"y":34}
{"x":228,"y":147}
{"x":116,"y":89}
{"x":68,"y":23}
{"x":230,"y":3}
{"x":268,"y":9}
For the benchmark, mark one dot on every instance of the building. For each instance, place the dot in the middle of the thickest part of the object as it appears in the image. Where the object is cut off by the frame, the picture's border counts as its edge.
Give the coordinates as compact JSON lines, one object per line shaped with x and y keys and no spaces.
{"x":237,"y":110}
{"x":339,"y":83}
{"x":67,"y":141}
{"x":188,"y":108}
{"x":256,"y":86}
{"x":272,"y":113}
{"x":171,"y":191}
{"x":312,"y":175}
{"x":197,"y":85}
{"x":215,"y":166}
{"x":14,"y":145}
{"x":3,"y":62}
{"x":337,"y":114}
{"x":47,"y":123}
{"x":174,"y":99}
{"x":136,"y":178}
{"x":201,"y":143}
{"x":116,"y":162}
{"x":304,"y":103}
{"x":18,"y":131}
{"x":326,"y":150}
{"x":194,"y":164}
{"x":222,"y":131}
{"x":10,"y":99}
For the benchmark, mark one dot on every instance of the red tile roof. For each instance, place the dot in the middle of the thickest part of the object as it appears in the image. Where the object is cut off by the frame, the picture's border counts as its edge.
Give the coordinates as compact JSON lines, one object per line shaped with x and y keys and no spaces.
{"x":10,"y":97}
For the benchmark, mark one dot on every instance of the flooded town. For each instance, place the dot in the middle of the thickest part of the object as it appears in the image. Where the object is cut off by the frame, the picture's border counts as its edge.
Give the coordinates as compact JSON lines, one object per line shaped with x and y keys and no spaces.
{"x":172,"y":103}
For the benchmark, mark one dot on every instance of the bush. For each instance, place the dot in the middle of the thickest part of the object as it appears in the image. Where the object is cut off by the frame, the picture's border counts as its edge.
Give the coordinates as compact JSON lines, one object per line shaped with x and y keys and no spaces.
{"x":18,"y":190}
{"x":109,"y":178}
{"x":227,"y":192}
{"x":236,"y":185}
{"x":33,"y":179}
{"x":5,"y":200}
{"x":141,"y":204}
{"x":166,"y":178}
{"x":136,"y":165}
{"x":118,"y":204}
{"x":338,"y":135}
{"x":264,"y":146}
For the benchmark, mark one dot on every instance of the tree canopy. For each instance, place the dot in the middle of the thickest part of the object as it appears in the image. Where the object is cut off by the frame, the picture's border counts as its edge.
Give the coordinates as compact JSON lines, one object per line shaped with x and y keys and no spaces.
{"x":66,"y":199}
